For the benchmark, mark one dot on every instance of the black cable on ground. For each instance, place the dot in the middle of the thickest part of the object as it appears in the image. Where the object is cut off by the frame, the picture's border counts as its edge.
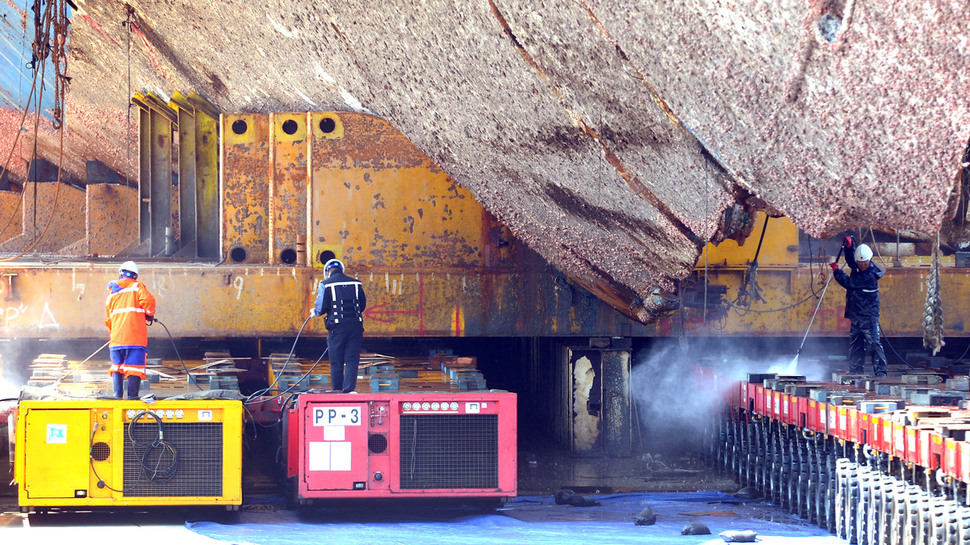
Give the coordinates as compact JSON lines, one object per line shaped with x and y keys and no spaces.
{"x":882,"y":332}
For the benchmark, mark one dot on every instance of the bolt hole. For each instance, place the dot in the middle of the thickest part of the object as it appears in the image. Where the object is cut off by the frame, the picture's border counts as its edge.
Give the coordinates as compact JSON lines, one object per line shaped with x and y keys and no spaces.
{"x":237,"y":254}
{"x":288,"y":256}
{"x":325,"y":256}
{"x":290,"y":126}
{"x":239,"y":127}
{"x":327,"y":125}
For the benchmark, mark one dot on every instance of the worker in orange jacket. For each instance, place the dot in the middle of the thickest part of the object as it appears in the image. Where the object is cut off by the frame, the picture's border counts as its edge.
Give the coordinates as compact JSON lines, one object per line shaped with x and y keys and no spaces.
{"x":130,"y":308}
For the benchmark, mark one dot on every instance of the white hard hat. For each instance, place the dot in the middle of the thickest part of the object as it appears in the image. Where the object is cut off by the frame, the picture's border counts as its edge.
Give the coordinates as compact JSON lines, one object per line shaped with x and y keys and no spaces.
{"x":863,"y":253}
{"x":331,"y":264}
{"x":129,"y":266}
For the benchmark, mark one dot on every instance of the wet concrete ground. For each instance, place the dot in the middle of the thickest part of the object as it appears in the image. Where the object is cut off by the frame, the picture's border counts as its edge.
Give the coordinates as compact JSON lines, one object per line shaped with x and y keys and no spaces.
{"x":545,"y":470}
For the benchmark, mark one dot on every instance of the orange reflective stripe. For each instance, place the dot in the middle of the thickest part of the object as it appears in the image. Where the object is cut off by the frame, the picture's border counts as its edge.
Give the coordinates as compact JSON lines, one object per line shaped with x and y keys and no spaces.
{"x":125,"y":311}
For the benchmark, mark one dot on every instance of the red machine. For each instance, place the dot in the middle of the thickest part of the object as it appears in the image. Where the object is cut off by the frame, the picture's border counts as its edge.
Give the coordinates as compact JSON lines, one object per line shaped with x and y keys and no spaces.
{"x":385,"y":445}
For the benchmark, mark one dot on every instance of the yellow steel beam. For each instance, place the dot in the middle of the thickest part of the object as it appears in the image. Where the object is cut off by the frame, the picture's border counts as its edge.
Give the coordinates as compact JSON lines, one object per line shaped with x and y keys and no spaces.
{"x":791,"y":296}
{"x":187,"y":190}
{"x":779,"y":248}
{"x":379,"y":202}
{"x":245,"y":187}
{"x":206,"y":178}
{"x":198,"y":174}
{"x":160,"y":178}
{"x":67,"y":301}
{"x":288,"y":205}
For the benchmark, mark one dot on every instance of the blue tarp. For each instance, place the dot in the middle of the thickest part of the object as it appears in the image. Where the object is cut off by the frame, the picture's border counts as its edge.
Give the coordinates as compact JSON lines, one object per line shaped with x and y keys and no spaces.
{"x":525,"y":519}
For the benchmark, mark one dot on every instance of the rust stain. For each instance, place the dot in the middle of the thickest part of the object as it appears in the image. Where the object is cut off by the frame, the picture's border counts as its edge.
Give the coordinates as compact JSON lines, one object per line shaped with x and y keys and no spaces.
{"x":53,"y":222}
{"x":152,"y":56}
{"x":112,"y":212}
{"x":12,"y":215}
{"x":378,"y":201}
{"x":99,"y":29}
{"x":246,"y":181}
{"x":289,"y":187}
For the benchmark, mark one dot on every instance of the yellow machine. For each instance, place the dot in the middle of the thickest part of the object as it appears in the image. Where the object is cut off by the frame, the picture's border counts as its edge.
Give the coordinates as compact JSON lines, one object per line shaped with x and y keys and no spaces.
{"x":112,"y":453}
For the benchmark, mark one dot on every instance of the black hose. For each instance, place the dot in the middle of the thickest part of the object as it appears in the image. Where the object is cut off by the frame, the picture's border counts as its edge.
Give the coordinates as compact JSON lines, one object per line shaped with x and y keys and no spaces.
{"x":276,"y":380}
{"x":153,"y":473}
{"x":176,"y":350}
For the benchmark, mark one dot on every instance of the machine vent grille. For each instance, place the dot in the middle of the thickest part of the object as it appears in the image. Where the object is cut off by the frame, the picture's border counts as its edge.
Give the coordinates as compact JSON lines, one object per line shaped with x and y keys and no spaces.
{"x":449,"y":451}
{"x":196,"y":471}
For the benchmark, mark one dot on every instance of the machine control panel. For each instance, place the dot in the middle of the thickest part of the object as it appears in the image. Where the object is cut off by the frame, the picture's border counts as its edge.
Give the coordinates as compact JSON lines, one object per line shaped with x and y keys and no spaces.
{"x":448,"y":407}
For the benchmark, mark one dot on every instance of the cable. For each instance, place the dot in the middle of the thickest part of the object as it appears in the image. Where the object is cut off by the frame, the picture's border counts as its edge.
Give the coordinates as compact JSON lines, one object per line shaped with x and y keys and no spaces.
{"x":159,"y":447}
{"x":285,"y":363}
{"x":791,"y":306}
{"x":101,"y":482}
{"x":249,"y":400}
{"x":179,"y":356}
{"x":882,"y":333}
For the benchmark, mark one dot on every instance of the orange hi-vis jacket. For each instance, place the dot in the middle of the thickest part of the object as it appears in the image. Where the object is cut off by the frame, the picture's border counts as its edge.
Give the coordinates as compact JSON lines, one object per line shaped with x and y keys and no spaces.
{"x":128,"y":303}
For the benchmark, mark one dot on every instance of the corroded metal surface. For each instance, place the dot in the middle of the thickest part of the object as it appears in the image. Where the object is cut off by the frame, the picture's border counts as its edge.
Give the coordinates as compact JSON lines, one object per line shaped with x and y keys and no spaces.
{"x":245,"y":188}
{"x":288,"y":218}
{"x":111,"y":223}
{"x":614,"y":138}
{"x":67,"y":301}
{"x":11,"y":214}
{"x":53,"y":218}
{"x":380,"y":203}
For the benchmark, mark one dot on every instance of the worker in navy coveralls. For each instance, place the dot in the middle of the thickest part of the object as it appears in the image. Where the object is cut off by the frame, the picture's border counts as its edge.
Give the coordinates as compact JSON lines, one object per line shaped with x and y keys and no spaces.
{"x":341,"y":301}
{"x":862,"y":307}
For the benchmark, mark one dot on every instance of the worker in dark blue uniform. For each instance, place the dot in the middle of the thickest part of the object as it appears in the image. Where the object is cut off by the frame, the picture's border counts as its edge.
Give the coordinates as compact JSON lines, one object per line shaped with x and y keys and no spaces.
{"x":862,"y":306}
{"x":341,"y":301}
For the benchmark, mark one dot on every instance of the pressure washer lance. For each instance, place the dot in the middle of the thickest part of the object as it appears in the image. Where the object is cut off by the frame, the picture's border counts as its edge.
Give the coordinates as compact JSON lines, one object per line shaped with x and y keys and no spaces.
{"x":794,"y":361}
{"x":72,"y":369}
{"x":103,"y":346}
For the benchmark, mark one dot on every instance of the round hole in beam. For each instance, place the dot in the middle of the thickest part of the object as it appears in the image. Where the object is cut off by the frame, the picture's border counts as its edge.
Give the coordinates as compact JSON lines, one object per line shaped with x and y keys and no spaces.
{"x":240,"y":127}
{"x":288,"y":256}
{"x":290,"y":127}
{"x":237,"y":254}
{"x":325,"y":256}
{"x":327,"y":125}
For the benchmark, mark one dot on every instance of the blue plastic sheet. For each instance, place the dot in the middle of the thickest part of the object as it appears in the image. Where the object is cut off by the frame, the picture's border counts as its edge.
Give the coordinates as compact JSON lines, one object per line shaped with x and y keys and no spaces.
{"x":536,"y":520}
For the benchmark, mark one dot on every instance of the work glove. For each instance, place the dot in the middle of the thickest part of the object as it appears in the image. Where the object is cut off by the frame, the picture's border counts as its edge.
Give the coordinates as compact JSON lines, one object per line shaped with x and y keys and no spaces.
{"x":834,"y":265}
{"x":847,"y":242}
{"x":149,"y":319}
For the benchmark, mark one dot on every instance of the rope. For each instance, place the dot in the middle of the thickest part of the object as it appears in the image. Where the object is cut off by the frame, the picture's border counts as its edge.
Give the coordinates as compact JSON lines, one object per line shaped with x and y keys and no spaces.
{"x":933,"y":311}
{"x":54,"y":16}
{"x":130,"y":12}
